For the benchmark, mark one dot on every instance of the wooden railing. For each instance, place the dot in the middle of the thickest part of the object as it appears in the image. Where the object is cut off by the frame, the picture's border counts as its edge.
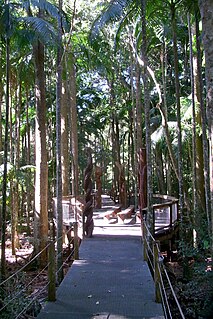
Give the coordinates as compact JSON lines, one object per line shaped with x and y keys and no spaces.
{"x":72,"y":208}
{"x":165,"y":214}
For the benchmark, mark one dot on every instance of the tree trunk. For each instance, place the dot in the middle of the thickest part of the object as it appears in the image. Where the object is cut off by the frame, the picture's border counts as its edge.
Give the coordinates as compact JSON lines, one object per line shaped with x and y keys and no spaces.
{"x":206,"y":10}
{"x":59,"y":212}
{"x":200,"y":189}
{"x":74,"y":127}
{"x":147,"y":119}
{"x":14,"y":182}
{"x":64,"y":143}
{"x":142,"y":178}
{"x":139,"y":138}
{"x":41,"y":178}
{"x":4,"y":185}
{"x":159,"y":169}
{"x":28,"y":161}
{"x":177,"y":95}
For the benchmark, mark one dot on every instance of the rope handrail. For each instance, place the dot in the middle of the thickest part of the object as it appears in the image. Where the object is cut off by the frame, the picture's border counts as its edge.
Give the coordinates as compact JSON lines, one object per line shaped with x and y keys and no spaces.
{"x":158,"y":269}
{"x":8,"y":300}
{"x":22,"y":268}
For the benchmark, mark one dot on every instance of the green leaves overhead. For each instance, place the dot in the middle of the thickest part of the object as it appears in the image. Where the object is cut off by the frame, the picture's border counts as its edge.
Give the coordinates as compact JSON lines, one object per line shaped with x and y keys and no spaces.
{"x":113,"y":12}
{"x":42,"y":29}
{"x":42,"y":5}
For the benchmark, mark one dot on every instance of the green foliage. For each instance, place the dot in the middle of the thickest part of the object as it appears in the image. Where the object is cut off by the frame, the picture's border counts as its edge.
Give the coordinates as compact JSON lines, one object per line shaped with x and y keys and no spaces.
{"x":112,"y":12}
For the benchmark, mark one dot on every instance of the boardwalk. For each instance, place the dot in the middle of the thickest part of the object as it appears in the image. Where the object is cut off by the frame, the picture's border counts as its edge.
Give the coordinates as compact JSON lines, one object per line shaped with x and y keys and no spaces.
{"x":110,"y":280}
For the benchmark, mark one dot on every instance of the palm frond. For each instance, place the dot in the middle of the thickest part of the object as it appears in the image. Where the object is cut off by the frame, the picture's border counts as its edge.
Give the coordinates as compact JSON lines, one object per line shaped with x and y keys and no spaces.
{"x":46,"y":6}
{"x":112,"y":13}
{"x":49,"y":8}
{"x":42,"y":29}
{"x":123,"y":24}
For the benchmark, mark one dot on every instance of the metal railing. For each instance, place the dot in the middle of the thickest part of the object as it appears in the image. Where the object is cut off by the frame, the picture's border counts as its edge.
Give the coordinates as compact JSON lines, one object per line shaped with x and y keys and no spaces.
{"x":17,"y":296}
{"x":163,"y":285}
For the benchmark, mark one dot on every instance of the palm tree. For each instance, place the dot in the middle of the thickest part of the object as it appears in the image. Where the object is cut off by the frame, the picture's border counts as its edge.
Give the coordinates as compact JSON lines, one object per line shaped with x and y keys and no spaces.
{"x":39,"y":31}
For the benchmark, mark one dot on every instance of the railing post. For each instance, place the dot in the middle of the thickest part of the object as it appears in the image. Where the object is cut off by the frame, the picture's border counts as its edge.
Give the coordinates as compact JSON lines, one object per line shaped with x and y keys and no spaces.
{"x":153,"y":216}
{"x":170,"y":212}
{"x":156,"y":272}
{"x":76,"y":244}
{"x":145,"y":257}
{"x":51,"y":272}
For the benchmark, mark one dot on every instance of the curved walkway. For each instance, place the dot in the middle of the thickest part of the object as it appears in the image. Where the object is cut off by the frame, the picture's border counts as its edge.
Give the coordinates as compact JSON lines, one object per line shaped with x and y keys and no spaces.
{"x":110,"y":280}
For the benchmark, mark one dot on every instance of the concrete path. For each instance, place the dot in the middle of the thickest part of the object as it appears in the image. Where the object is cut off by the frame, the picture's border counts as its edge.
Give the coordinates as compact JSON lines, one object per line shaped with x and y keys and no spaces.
{"x":110,"y":280}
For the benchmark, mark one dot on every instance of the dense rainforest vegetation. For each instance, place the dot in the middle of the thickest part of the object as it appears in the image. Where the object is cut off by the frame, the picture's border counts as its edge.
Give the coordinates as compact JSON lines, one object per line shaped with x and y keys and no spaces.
{"x":115,"y":77}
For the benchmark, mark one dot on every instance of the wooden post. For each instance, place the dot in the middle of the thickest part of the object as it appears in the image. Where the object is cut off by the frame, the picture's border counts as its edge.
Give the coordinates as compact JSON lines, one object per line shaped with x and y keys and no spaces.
{"x":170,"y":212}
{"x":153,"y":226}
{"x":88,"y":222}
{"x":145,"y":257}
{"x":76,"y":246}
{"x":51,"y":272}
{"x":98,"y":174}
{"x":156,"y":272}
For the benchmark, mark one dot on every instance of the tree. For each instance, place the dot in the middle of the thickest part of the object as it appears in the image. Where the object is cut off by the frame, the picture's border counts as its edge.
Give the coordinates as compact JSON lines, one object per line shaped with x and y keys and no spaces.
{"x":4,"y":188}
{"x":206,"y":10}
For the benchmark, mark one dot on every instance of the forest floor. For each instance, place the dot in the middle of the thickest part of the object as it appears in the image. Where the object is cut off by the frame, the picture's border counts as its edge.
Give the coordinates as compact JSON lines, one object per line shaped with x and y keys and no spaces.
{"x":29,"y":286}
{"x":193,"y":285}
{"x":194,"y":294}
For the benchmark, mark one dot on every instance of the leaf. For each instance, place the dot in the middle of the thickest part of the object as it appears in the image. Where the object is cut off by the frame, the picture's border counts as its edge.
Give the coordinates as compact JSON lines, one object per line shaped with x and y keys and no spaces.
{"x":113,"y":12}
{"x":43,"y":29}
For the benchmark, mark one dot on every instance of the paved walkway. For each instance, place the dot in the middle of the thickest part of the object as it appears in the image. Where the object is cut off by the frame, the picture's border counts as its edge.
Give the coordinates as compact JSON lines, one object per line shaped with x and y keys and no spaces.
{"x":110,"y":281}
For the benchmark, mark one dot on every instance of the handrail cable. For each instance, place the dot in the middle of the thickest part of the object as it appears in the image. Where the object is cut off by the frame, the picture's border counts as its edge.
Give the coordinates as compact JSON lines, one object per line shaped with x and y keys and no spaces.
{"x":165,"y":299}
{"x":21,"y":269}
{"x":34,"y":299}
{"x":24,"y":288}
{"x":173,"y":293}
{"x":161,"y":267}
{"x":40,"y":272}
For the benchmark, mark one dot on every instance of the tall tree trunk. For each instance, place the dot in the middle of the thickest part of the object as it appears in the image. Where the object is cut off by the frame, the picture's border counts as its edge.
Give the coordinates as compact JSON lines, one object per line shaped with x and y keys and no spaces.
{"x":59,"y":211}
{"x":14,"y":182}
{"x":29,"y":174}
{"x":65,"y":142}
{"x":139,"y":138}
{"x":115,"y":142}
{"x":133,"y":135}
{"x":177,"y":94}
{"x":41,"y":178}
{"x":206,"y":10}
{"x":200,"y":189}
{"x":160,"y":169}
{"x":4,"y":186}
{"x":194,"y":146}
{"x":147,"y":118}
{"x":203,"y":118}
{"x":74,"y":127}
